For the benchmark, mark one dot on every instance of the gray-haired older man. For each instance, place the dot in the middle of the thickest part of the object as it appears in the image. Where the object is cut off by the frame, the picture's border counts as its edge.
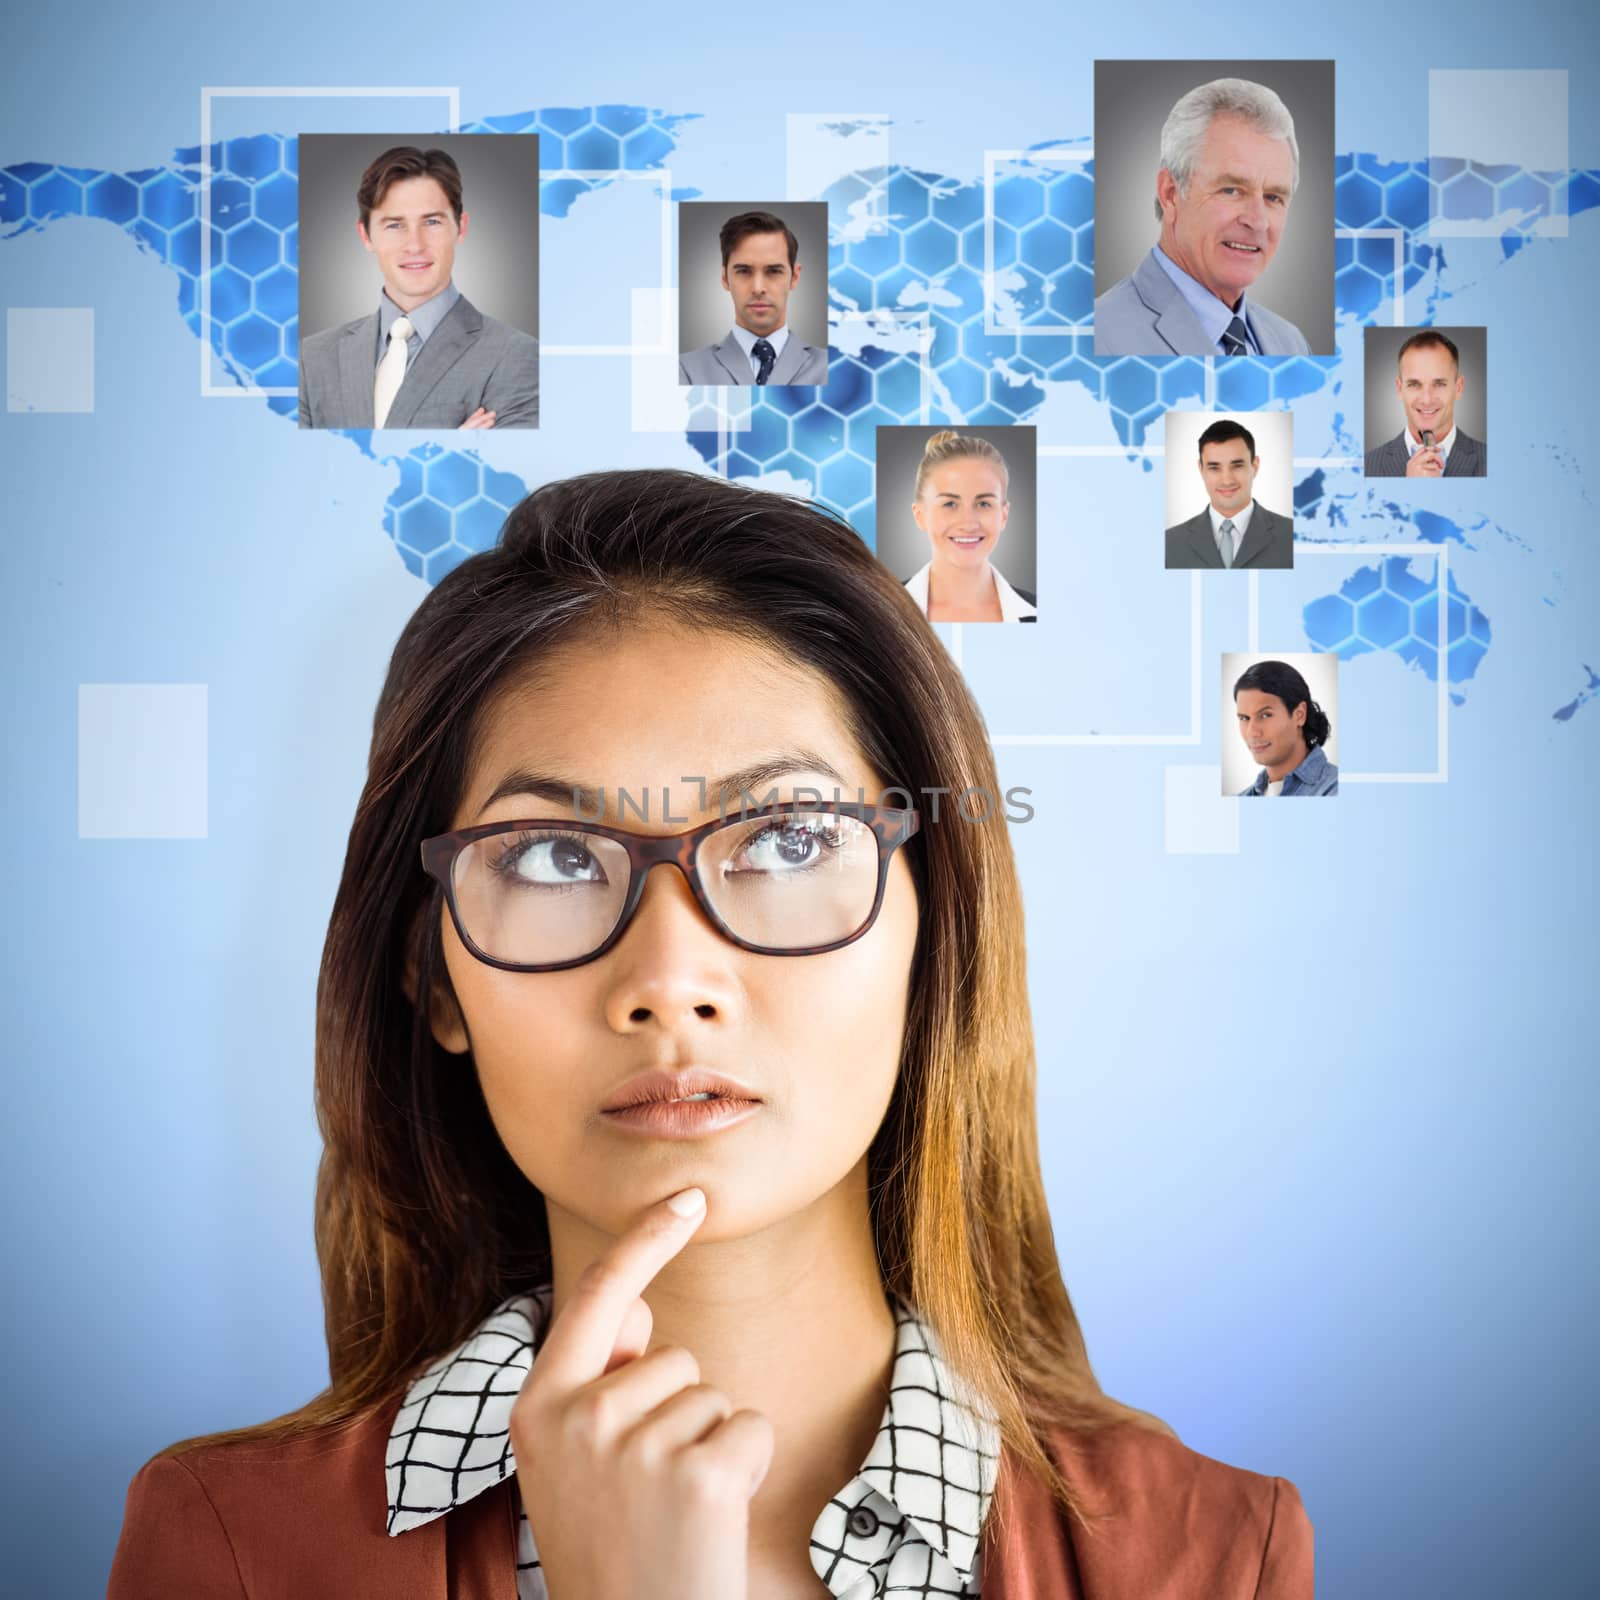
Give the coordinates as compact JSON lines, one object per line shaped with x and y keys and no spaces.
{"x":1229,"y":168}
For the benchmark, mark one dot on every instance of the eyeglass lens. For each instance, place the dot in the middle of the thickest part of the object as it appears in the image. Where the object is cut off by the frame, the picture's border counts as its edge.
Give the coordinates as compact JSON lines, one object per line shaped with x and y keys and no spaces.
{"x":550,"y":894}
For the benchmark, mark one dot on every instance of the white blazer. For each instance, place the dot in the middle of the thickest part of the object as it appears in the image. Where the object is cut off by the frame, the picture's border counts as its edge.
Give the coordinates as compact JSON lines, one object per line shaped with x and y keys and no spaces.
{"x":1013,"y":608}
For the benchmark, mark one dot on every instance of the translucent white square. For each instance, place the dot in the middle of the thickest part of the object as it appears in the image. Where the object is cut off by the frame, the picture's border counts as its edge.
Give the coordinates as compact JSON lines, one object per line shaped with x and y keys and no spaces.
{"x":1201,"y":820}
{"x":142,"y":761}
{"x":50,"y":358}
{"x":1497,"y":118}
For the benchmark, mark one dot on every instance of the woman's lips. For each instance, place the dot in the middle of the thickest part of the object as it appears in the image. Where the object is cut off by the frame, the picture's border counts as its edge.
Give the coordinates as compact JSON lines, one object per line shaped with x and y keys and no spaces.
{"x":682,"y":1119}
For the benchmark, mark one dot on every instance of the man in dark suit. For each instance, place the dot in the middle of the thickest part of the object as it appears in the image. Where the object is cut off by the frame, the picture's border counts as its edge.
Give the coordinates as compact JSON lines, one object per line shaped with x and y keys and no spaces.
{"x":1234,"y":530}
{"x":1430,"y":445}
{"x":427,"y":357}
{"x":760,"y":267}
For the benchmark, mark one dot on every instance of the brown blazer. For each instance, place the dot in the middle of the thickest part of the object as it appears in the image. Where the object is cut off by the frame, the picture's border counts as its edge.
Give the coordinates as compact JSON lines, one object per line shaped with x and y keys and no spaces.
{"x":305,"y":1519}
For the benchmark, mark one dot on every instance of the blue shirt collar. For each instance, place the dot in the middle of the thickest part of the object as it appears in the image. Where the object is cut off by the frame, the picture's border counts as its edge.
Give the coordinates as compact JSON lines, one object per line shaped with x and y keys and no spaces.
{"x":778,"y":338}
{"x":424,"y":319}
{"x":1212,"y":314}
{"x":1303,"y":777}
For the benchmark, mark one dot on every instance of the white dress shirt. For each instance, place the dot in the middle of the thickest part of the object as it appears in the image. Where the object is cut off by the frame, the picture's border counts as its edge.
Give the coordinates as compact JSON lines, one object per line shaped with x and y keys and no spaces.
{"x":1441,"y":445}
{"x":908,"y":1524}
{"x":1012,"y":606}
{"x":1240,"y":520}
{"x":778,"y":338}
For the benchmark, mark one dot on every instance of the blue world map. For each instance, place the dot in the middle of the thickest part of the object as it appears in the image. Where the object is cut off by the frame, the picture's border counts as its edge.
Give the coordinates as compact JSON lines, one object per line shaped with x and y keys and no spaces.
{"x":950,"y":299}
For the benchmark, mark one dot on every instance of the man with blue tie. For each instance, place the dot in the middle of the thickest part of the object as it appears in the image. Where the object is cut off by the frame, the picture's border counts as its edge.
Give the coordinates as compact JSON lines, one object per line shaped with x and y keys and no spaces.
{"x":427,"y":357}
{"x":759,"y":270}
{"x":1229,"y":168}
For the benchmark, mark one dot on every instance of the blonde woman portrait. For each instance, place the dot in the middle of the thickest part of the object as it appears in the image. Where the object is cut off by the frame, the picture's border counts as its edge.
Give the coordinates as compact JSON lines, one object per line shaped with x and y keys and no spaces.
{"x":961,"y":503}
{"x":682,"y":1232}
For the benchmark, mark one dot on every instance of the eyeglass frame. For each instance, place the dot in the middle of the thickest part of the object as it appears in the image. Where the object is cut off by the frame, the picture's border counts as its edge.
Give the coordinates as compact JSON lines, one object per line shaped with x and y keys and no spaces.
{"x":891,"y":827}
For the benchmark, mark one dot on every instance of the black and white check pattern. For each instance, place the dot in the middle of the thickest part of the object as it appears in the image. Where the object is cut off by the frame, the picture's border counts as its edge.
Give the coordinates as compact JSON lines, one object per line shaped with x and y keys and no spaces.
{"x":908,"y":1523}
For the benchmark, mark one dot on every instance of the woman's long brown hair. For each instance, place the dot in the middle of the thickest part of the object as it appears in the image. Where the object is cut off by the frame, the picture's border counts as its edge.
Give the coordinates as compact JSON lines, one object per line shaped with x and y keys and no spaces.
{"x":423,"y":1222}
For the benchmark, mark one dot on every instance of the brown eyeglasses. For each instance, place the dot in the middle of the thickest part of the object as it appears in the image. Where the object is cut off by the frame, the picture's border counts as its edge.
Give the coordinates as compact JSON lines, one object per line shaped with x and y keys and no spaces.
{"x":795,"y":879}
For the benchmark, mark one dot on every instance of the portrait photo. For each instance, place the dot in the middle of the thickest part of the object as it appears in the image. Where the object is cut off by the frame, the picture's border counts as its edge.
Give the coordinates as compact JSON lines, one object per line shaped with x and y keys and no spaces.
{"x":1213,"y":208}
{"x":1230,"y":489}
{"x":958,"y":519}
{"x":419,"y":280}
{"x":1279,"y":721}
{"x":1426,"y":397}
{"x":753,"y":292}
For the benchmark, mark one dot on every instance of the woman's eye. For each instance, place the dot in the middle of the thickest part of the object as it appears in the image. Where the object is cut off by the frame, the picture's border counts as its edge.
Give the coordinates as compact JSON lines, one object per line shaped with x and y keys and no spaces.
{"x":550,"y":861}
{"x":786,"y":848}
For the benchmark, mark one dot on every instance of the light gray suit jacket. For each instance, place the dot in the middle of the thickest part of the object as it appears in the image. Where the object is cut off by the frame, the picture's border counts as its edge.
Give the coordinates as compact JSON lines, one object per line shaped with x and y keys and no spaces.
{"x":727,"y":363}
{"x":1268,"y":542}
{"x":1145,"y":315}
{"x":1467,"y":459}
{"x":468,"y":361}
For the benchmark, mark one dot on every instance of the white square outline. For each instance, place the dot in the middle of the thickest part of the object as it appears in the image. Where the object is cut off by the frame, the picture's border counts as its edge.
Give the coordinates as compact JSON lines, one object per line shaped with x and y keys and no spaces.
{"x":663,"y":175}
{"x":919,"y":317}
{"x":1192,"y":737}
{"x":1398,"y":236}
{"x":208,"y":93}
{"x":990,"y":159}
{"x":1441,"y":556}
{"x":992,"y":330}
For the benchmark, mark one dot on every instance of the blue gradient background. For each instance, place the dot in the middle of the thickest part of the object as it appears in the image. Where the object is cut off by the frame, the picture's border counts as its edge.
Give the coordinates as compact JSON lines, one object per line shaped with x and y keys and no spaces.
{"x":1317,"y":1117}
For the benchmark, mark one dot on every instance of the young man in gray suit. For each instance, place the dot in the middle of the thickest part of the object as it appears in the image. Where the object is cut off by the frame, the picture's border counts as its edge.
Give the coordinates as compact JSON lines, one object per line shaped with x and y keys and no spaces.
{"x":1229,"y":167}
{"x":427,"y":357}
{"x":1430,"y":445}
{"x":1235,"y":530}
{"x":759,"y":271}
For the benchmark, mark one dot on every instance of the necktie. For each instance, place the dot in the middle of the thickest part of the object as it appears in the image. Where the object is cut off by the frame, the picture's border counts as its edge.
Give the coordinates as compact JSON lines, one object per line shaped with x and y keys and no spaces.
{"x":391,"y":371}
{"x":1236,"y":338}
{"x":1227,"y":541}
{"x":766,"y":355}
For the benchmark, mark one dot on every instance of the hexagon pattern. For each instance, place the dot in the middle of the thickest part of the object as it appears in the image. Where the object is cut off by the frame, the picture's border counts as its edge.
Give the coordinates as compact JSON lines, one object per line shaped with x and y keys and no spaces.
{"x":1388,"y":607}
{"x":936,"y":243}
{"x":254,"y":206}
{"x":1002,"y":281}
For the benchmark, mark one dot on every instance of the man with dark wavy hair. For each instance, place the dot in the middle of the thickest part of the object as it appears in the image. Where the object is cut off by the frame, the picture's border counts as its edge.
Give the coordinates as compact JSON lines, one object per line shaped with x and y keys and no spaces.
{"x":427,"y":357}
{"x":1285,"y":730}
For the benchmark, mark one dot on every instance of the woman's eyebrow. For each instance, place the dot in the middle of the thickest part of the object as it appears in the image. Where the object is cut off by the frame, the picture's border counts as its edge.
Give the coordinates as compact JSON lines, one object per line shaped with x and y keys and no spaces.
{"x":569,"y":791}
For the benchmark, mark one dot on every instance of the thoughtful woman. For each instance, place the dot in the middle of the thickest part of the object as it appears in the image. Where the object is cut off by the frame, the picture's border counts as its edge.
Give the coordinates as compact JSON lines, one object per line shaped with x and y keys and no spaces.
{"x":960,"y":501}
{"x":682,"y":1231}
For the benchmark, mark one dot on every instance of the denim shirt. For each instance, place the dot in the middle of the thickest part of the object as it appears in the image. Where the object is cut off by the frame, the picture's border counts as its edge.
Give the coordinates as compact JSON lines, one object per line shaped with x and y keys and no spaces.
{"x":1315,"y":775}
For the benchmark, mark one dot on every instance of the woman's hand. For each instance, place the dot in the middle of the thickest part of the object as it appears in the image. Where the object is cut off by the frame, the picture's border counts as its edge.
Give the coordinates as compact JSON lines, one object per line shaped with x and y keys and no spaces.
{"x":635,"y":1476}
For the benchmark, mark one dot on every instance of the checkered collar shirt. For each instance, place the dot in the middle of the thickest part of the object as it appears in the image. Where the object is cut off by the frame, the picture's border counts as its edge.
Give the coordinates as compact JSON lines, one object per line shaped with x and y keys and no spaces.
{"x":907,"y":1524}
